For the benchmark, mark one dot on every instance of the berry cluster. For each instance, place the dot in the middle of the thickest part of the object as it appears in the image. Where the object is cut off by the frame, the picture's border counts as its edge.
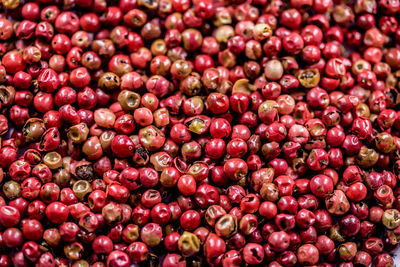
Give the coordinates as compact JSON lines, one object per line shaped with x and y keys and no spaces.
{"x":181,"y":133}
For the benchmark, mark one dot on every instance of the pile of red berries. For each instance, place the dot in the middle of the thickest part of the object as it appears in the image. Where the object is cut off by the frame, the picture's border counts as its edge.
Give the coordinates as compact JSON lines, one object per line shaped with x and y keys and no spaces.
{"x":199,"y":133}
